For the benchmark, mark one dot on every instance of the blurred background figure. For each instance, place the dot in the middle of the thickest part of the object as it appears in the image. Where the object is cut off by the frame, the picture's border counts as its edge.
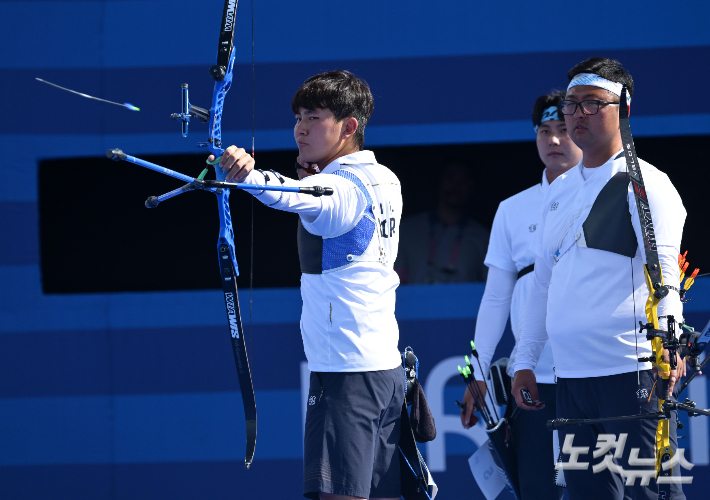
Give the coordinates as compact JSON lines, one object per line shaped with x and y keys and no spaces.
{"x":444,"y":245}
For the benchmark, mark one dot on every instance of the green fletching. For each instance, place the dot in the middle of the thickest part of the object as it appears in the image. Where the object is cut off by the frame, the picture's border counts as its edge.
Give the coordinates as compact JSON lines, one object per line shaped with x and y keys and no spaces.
{"x":473,"y":346}
{"x":467,"y":361}
{"x":131,"y":106}
{"x":461,"y":371}
{"x":202,"y":174}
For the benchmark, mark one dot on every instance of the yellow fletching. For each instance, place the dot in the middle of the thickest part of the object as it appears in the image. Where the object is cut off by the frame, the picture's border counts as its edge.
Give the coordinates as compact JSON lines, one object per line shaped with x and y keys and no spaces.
{"x":683,"y":270}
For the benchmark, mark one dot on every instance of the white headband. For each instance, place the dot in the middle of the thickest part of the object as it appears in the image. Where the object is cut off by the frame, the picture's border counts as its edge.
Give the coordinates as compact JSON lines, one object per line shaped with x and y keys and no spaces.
{"x":551,"y":113}
{"x":598,"y":81}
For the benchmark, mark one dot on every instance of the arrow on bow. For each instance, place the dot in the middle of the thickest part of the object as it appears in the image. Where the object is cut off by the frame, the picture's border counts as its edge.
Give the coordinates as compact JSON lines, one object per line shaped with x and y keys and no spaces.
{"x":229,"y":270}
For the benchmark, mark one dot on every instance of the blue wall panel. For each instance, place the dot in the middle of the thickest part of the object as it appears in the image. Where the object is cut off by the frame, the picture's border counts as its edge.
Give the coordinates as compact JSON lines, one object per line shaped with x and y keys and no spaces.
{"x":20,"y":222}
{"x":134,"y":395}
{"x":424,"y":90}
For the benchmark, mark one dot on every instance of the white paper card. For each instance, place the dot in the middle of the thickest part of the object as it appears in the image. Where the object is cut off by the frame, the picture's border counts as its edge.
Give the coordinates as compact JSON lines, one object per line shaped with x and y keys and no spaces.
{"x":560,"y":476}
{"x":486,"y":473}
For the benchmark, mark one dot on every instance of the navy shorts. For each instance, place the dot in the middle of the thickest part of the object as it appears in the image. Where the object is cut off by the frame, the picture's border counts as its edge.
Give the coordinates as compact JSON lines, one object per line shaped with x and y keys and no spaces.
{"x":352,"y":430}
{"x":612,"y":396}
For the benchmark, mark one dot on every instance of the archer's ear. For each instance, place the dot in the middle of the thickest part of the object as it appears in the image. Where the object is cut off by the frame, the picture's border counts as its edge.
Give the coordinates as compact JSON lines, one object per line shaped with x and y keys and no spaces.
{"x":350,"y":127}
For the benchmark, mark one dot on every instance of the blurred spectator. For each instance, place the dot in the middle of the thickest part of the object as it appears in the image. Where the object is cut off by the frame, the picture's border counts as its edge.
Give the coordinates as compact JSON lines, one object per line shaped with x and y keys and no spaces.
{"x":444,"y":245}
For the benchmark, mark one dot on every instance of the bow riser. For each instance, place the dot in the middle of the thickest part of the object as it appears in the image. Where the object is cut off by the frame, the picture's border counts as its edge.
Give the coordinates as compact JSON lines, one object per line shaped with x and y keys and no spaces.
{"x":663,"y":446}
{"x":226,"y":232}
{"x":215,"y":140}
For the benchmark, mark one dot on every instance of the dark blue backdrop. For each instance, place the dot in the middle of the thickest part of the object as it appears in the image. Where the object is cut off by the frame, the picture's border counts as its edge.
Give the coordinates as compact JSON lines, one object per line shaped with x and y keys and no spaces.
{"x":134,"y":395}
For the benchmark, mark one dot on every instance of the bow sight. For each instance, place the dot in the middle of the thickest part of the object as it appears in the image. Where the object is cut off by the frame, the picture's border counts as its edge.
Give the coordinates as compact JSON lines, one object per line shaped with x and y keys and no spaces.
{"x":190,"y":110}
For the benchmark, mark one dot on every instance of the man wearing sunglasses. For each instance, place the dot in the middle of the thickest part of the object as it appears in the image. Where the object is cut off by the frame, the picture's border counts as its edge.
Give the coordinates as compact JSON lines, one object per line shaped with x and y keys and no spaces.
{"x":588,"y":293}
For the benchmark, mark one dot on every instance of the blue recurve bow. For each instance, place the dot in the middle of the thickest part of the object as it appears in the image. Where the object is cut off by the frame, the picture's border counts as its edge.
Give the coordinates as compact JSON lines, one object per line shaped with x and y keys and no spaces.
{"x":222,"y":74}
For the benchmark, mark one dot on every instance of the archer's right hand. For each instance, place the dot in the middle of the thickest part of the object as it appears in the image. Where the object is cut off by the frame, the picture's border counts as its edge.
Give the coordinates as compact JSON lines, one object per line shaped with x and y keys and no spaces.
{"x":525,"y":379}
{"x":468,"y":419}
{"x":307,"y":169}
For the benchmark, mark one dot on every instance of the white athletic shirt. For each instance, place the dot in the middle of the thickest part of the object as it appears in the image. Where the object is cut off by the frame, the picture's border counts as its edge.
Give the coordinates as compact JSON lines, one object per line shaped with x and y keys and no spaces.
{"x":514,"y":228}
{"x":584,"y":302}
{"x":347,"y":321}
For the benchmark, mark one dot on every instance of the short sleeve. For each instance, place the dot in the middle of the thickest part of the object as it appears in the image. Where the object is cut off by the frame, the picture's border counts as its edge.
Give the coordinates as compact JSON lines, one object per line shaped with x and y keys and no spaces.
{"x":500,"y":248}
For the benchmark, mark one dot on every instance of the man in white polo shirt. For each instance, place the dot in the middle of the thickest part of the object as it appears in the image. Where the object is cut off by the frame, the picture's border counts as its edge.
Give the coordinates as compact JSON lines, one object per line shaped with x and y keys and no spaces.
{"x":510,"y":263}
{"x":588,"y":292}
{"x":347,"y":245}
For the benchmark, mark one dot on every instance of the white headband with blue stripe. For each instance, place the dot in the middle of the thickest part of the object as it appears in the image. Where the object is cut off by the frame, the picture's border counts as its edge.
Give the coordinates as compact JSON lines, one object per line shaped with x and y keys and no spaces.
{"x":598,"y":81}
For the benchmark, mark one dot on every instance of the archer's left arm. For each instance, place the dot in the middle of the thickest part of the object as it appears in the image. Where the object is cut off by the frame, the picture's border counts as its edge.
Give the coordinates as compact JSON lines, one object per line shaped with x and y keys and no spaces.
{"x":668,"y":221}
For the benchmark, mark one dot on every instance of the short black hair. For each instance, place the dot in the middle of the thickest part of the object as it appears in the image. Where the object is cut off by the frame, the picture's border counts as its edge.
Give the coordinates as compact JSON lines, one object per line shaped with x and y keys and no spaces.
{"x":545,"y":101}
{"x":611,"y":69}
{"x":343,"y":93}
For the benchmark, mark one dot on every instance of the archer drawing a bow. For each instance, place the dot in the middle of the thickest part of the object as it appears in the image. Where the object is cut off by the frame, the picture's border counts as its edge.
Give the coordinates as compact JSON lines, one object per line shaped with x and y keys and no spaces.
{"x":222,"y":75}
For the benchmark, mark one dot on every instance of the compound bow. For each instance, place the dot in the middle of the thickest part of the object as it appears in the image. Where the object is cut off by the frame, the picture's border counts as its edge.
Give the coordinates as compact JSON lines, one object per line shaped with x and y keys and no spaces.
{"x":222,"y":74}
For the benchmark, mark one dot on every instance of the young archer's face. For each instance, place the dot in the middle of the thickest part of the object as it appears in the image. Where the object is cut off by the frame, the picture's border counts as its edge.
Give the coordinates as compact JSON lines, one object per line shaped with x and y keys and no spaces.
{"x":319,"y":135}
{"x":556,"y":149}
